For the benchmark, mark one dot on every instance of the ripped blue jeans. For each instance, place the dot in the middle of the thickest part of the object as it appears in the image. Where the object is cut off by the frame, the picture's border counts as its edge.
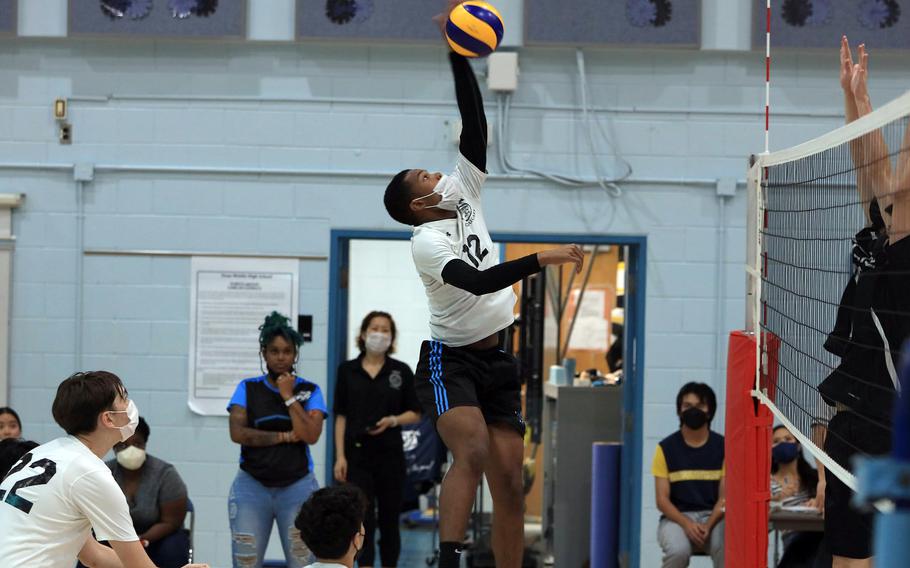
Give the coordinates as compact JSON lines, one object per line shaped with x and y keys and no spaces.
{"x":253,"y":507}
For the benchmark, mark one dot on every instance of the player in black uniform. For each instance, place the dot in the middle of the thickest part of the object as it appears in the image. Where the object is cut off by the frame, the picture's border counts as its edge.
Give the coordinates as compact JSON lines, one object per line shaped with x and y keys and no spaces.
{"x":873,"y":320}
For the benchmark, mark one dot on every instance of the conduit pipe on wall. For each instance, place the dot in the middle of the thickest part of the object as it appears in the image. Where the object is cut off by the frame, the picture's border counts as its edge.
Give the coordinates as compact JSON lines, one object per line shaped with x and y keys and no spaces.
{"x":708,"y":183}
{"x":676,"y":111}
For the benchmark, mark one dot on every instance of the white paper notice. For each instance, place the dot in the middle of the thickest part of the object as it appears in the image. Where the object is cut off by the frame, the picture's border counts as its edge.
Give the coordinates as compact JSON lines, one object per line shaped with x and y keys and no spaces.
{"x":229,"y":299}
{"x":591,"y":327}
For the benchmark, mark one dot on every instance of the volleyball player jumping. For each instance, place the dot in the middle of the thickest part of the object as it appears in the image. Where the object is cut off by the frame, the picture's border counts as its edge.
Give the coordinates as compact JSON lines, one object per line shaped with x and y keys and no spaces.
{"x":873,"y":319}
{"x":464,"y":380}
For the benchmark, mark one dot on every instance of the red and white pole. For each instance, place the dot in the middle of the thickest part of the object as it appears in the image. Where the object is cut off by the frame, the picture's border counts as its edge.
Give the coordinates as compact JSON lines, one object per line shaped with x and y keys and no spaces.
{"x":767,"y":76}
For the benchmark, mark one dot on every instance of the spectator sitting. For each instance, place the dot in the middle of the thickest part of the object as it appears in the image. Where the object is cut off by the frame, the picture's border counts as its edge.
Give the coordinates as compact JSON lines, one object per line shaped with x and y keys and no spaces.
{"x":331,"y":524}
{"x":157,"y":498}
{"x":10,"y":425}
{"x":688,"y":473}
{"x":11,"y":451}
{"x":793,"y":482}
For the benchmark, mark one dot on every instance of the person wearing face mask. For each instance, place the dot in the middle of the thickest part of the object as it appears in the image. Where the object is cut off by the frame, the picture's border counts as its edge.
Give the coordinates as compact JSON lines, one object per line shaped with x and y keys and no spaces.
{"x":61,"y":492}
{"x":793,"y":483}
{"x":688,"y":471}
{"x":331,"y":524}
{"x":374,"y":397}
{"x":275,"y":418}
{"x":467,"y":385}
{"x":157,"y":498}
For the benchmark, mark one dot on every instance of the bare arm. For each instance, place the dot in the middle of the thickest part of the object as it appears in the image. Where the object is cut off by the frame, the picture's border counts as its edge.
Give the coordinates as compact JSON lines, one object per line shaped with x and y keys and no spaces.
{"x":341,"y":424}
{"x":718,"y":512}
{"x":386,"y":422}
{"x":307,"y":424}
{"x":874,"y":177}
{"x":96,"y":555}
{"x":669,"y":510}
{"x":900,"y":215}
{"x":246,"y":436}
{"x":131,"y":554}
{"x":171,"y":519}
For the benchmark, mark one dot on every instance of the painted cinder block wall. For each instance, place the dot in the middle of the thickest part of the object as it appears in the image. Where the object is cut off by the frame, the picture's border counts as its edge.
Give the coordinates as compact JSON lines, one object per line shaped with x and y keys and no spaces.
{"x":309,"y":149}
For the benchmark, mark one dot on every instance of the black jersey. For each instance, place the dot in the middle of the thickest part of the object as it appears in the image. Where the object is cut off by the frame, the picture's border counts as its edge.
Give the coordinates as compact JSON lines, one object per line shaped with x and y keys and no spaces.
{"x":363,"y":400}
{"x":282,"y":464}
{"x":876,"y":307}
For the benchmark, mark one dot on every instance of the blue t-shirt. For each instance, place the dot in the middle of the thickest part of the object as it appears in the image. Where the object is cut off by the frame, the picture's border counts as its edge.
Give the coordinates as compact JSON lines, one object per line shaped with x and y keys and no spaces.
{"x":282,"y":464}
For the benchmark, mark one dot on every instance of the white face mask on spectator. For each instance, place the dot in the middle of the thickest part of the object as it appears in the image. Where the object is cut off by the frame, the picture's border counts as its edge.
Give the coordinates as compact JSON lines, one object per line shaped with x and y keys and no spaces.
{"x":378,"y":342}
{"x":131,"y":457}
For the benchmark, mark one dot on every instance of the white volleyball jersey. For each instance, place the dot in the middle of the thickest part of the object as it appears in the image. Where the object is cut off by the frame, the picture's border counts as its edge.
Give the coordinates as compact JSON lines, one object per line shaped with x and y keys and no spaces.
{"x":458,"y":317}
{"x":51,"y":501}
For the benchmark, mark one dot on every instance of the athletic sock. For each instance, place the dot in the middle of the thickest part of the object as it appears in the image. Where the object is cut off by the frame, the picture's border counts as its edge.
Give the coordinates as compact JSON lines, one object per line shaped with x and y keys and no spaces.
{"x":450,"y":554}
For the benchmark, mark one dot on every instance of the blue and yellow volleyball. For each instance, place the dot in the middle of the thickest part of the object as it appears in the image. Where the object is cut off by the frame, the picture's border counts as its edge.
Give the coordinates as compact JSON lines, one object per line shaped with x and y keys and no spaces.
{"x":474,"y":29}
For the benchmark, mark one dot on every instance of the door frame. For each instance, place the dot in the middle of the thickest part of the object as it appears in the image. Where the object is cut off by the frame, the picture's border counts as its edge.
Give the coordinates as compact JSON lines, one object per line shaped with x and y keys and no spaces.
{"x":634,"y":356}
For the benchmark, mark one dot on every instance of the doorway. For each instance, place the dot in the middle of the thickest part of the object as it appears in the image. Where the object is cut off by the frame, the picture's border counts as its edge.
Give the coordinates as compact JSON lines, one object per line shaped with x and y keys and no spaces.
{"x":634,"y":257}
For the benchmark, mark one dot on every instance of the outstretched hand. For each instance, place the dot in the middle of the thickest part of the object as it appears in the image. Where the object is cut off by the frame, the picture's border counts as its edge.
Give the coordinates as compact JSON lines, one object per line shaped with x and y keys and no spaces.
{"x":858,"y":82}
{"x":569,"y":254}
{"x":846,"y":65}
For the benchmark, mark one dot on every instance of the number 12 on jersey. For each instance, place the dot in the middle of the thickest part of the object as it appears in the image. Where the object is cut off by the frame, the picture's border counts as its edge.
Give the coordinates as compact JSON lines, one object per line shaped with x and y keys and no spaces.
{"x":478,"y":255}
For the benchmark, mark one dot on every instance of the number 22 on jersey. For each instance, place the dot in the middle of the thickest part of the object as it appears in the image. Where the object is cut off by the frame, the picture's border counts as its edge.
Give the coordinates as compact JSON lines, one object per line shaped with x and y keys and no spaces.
{"x":49,"y":469}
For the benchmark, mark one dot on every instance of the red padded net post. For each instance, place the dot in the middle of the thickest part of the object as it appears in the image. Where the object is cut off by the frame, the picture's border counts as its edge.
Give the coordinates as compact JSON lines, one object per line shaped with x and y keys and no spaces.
{"x":748,"y":459}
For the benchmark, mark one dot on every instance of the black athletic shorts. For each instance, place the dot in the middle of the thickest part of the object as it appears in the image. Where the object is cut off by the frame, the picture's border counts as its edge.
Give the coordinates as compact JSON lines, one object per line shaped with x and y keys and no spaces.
{"x":448,"y":377}
{"x":849,"y":530}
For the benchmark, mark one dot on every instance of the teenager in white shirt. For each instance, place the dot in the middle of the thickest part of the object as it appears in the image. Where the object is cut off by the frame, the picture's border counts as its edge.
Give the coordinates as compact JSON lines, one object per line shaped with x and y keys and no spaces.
{"x":58,"y":493}
{"x":331,"y":525}
{"x":464,"y":380}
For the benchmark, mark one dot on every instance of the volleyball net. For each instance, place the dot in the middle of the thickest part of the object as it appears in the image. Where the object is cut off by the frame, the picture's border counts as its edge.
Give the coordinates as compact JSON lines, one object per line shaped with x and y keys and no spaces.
{"x":825,"y":296}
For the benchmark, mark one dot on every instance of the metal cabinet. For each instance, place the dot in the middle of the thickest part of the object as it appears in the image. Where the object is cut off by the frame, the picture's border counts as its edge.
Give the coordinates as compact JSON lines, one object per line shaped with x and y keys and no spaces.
{"x":574,"y":418}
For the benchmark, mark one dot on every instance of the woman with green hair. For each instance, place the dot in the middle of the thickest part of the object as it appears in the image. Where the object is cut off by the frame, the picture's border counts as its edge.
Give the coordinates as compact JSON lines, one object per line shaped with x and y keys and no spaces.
{"x":275,"y":418}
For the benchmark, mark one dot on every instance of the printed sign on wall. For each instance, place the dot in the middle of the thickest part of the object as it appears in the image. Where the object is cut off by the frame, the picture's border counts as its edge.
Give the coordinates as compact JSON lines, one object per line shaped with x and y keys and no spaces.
{"x":229,"y":299}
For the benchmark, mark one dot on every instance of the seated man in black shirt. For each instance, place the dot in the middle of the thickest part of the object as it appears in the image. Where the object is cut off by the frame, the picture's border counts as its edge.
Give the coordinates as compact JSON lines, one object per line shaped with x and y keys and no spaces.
{"x":688,"y":473}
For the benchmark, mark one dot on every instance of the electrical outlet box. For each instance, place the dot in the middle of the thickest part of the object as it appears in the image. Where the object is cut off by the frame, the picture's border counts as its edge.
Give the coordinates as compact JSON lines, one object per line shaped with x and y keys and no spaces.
{"x":502,"y":71}
{"x":65,"y":133}
{"x":455,"y":127}
{"x":60,"y":109}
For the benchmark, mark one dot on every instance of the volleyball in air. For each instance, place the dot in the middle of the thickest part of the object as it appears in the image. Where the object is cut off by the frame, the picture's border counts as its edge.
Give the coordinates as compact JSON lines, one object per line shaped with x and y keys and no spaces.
{"x":474,"y":29}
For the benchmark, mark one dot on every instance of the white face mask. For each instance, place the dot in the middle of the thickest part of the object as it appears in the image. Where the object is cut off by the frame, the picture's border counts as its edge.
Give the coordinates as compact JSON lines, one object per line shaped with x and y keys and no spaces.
{"x":131,"y":458}
{"x":128,"y":429}
{"x":378,"y":342}
{"x":447,"y":188}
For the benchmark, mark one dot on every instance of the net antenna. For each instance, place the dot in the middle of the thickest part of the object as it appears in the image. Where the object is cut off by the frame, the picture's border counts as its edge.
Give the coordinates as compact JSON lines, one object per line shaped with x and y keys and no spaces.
{"x":807,"y":206}
{"x":767,"y":76}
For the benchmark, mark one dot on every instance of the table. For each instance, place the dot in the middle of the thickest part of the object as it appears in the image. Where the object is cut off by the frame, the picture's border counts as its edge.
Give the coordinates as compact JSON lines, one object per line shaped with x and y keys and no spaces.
{"x":798,"y":521}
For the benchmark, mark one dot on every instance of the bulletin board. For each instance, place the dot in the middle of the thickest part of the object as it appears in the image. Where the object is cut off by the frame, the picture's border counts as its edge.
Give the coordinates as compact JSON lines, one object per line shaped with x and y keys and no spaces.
{"x":880,"y":24}
{"x":402,"y":20}
{"x":613,"y":22}
{"x":200,"y":19}
{"x":8,"y":17}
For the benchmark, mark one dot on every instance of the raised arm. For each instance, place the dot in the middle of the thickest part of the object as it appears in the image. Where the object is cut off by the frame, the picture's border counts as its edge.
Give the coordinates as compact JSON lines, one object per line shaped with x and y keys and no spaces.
{"x":874,"y":177}
{"x":473,"y":142}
